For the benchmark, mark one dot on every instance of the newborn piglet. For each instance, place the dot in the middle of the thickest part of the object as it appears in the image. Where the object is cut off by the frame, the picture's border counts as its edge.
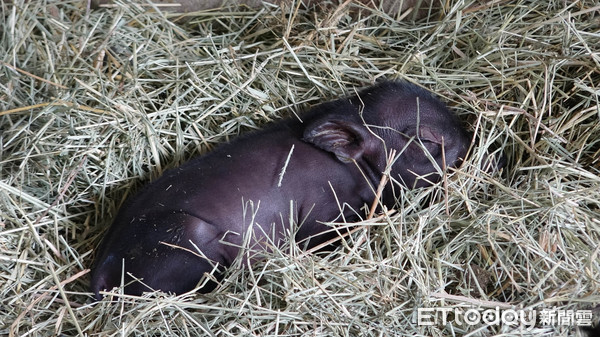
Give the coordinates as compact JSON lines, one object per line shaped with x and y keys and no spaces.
{"x":194,"y":219}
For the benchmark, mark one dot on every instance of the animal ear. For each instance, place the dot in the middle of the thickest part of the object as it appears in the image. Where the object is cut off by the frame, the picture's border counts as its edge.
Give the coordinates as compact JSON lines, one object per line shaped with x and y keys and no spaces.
{"x":345,"y":139}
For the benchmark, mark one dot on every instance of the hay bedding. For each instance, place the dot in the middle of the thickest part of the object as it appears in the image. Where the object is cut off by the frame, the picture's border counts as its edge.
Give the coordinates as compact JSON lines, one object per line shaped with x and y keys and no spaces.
{"x":94,"y":103}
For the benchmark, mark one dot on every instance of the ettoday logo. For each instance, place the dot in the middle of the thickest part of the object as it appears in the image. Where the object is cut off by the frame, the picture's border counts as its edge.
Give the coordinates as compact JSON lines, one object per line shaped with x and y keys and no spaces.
{"x":526,"y":318}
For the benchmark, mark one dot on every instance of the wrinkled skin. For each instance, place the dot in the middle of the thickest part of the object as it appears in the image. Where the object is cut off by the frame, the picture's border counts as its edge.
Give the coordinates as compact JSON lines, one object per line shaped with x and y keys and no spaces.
{"x":197,"y":216}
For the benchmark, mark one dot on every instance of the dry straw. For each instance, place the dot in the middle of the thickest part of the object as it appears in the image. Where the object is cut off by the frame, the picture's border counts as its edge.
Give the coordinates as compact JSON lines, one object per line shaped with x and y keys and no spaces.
{"x":93,"y":103}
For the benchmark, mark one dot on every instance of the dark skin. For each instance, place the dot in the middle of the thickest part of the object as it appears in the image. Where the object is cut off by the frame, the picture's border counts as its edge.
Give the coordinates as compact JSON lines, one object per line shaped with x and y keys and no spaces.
{"x":194,"y":219}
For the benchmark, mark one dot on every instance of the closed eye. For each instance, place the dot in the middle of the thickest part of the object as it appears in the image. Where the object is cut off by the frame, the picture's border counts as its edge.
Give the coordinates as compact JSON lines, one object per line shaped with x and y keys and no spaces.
{"x":431,"y":147}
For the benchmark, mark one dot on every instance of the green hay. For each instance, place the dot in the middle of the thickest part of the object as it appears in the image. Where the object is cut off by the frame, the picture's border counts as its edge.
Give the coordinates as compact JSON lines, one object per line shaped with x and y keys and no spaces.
{"x":95,"y":103}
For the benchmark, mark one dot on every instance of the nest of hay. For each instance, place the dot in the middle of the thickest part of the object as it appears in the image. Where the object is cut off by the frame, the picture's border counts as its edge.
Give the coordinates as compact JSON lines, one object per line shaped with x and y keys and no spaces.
{"x":93,"y":103}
